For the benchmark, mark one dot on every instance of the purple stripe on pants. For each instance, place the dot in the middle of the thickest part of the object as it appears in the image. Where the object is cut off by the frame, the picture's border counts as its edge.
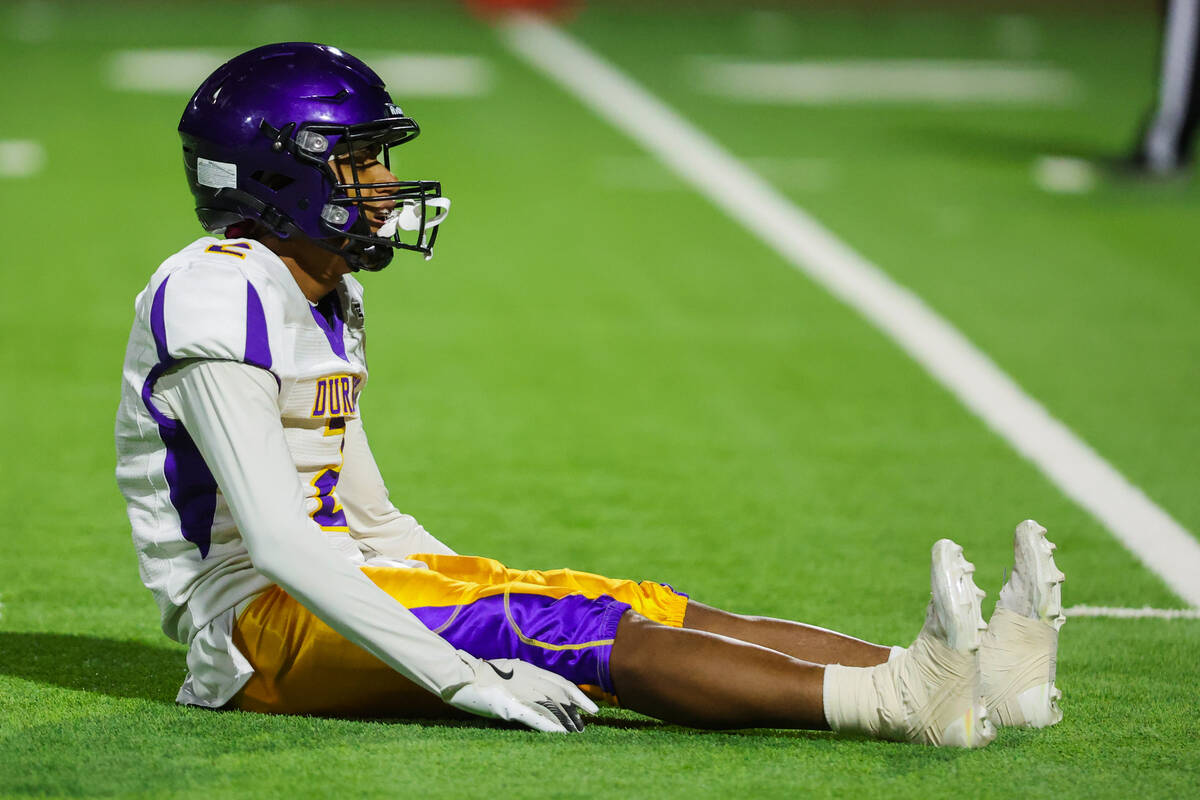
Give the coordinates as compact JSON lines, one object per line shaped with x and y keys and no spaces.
{"x":482,"y":629}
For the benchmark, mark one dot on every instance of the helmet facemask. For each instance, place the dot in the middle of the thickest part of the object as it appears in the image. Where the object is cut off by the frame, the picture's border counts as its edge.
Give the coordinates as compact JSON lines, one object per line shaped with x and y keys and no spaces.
{"x":417,"y":207}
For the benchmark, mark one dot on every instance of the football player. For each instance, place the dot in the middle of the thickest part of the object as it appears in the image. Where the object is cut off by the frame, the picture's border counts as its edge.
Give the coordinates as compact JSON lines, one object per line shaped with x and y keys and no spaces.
{"x":265,"y":533}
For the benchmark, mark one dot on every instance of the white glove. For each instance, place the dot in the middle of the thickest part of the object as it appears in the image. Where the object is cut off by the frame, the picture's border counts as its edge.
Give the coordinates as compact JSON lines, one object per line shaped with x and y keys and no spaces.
{"x":517,"y":691}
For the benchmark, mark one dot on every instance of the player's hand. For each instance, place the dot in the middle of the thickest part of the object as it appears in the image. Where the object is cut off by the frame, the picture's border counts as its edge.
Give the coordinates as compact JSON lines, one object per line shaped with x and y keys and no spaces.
{"x":517,"y":691}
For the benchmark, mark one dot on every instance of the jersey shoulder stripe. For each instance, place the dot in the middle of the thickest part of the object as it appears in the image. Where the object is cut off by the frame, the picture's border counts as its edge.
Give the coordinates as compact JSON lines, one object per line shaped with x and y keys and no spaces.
{"x":211,"y":304}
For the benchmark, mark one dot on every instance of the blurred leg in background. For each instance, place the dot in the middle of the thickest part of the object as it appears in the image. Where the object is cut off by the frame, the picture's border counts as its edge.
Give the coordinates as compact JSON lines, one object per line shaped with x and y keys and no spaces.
{"x":1166,"y":144}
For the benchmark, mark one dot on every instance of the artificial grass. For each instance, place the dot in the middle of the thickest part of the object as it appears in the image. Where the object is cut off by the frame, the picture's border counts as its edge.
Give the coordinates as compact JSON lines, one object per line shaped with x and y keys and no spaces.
{"x":610,"y":375}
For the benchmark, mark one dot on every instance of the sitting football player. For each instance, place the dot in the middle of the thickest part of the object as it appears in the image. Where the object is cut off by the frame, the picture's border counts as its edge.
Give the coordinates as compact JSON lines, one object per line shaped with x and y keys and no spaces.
{"x":265,"y":532}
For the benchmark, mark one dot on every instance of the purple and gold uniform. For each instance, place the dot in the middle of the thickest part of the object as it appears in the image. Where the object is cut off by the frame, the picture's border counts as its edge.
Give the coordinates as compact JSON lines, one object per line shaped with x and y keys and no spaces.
{"x":265,"y":532}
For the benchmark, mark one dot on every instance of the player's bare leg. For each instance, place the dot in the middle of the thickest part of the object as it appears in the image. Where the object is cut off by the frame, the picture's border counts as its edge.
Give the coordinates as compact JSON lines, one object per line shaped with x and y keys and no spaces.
{"x":926,"y":693}
{"x":805,"y":642}
{"x":705,"y":680}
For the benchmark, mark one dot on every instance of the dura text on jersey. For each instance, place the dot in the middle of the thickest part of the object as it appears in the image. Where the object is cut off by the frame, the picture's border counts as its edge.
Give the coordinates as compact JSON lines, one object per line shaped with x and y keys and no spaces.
{"x":336,"y":395}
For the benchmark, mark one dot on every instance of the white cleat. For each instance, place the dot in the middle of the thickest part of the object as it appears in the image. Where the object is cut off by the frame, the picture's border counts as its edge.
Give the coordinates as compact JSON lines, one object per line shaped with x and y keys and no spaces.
{"x":955,"y":616}
{"x":1018,"y":657}
{"x":929,"y":692}
{"x":939,"y":675}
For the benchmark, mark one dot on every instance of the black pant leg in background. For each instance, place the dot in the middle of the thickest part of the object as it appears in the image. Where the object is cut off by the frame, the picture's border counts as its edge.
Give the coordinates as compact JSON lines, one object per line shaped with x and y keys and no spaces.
{"x":1168,"y":140}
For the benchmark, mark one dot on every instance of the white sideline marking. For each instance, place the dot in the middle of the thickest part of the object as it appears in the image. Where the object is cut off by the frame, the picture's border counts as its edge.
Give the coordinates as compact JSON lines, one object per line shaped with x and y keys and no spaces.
{"x":1064,"y":175}
{"x":168,"y":71}
{"x":1133,"y":613}
{"x":406,"y":74}
{"x":429,"y":74}
{"x":20,"y":158}
{"x":1160,"y":542}
{"x":900,"y":81}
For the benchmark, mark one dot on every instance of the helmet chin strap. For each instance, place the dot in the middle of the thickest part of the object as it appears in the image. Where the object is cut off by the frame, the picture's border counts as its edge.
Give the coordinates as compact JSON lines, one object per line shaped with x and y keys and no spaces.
{"x":358,"y":255}
{"x":371,"y":256}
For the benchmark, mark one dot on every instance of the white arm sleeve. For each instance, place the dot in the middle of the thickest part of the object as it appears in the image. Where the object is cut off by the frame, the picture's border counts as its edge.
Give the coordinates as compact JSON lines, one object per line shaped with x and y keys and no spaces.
{"x":230,"y":411}
{"x":374,"y":521}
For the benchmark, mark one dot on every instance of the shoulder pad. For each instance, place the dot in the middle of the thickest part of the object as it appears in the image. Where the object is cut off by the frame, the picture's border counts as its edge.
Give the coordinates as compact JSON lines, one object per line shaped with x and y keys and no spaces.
{"x":210,"y":307}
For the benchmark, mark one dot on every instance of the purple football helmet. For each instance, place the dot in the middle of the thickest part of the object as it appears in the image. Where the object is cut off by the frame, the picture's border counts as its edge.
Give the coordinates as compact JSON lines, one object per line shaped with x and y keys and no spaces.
{"x":258,"y":136}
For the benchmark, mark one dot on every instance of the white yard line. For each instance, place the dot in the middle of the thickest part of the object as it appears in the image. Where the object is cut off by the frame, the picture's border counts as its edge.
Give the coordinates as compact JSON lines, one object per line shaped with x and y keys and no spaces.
{"x":1160,"y":542}
{"x":407,"y":75}
{"x":1064,"y":175}
{"x":432,"y":75}
{"x":1133,"y":613}
{"x":168,"y":71}
{"x":21,"y":158}
{"x":898,"y":81}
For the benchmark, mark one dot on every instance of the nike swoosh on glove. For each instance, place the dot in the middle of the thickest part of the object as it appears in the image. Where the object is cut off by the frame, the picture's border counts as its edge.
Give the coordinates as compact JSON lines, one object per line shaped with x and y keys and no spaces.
{"x":517,"y":691}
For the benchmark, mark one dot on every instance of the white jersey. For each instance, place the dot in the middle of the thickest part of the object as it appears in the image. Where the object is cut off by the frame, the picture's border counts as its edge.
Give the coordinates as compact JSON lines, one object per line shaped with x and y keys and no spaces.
{"x":233,"y":302}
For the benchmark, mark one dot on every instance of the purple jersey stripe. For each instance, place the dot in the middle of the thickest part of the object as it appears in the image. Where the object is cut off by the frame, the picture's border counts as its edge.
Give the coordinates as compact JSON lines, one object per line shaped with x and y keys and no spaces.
{"x":570,"y":636}
{"x":192,"y":488}
{"x":258,"y":347}
{"x":162,"y":419}
{"x":158,"y":326}
{"x":330,"y":308}
{"x":190,"y":483}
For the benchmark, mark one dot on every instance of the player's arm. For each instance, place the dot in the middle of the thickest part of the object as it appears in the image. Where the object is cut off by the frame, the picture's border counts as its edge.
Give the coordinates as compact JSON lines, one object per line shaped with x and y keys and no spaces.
{"x":230,"y":411}
{"x":377,"y":524}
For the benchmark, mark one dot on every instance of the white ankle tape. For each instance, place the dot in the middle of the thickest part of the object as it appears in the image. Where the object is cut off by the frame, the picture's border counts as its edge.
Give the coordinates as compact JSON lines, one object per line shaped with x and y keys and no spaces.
{"x":1017,"y":664}
{"x":851,"y":700}
{"x":925,"y":693}
{"x":865,"y":699}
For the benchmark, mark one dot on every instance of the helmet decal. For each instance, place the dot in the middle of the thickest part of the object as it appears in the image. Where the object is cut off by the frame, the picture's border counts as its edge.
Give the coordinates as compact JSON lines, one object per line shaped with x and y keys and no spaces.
{"x":216,"y":174}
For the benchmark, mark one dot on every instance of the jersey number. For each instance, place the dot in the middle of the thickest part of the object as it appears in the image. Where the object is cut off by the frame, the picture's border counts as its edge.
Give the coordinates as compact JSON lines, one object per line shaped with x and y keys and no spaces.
{"x":329,"y":514}
{"x":226,"y":249}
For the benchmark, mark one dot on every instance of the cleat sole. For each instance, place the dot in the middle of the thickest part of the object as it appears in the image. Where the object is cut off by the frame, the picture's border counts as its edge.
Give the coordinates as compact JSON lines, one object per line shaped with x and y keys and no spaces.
{"x":956,"y":607}
{"x":1034,"y":560}
{"x":1019,"y":657}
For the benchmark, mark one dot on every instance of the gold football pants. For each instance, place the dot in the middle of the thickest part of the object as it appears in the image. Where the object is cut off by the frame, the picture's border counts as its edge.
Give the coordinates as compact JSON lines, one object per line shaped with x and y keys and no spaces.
{"x":561,"y":620}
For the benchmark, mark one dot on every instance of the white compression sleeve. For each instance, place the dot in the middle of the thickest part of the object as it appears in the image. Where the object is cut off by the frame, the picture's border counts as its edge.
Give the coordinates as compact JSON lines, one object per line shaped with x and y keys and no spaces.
{"x":230,"y":411}
{"x":373,"y":520}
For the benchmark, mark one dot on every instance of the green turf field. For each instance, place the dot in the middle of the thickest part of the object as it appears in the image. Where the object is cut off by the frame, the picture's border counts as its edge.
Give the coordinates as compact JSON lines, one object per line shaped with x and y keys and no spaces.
{"x":600,"y":369}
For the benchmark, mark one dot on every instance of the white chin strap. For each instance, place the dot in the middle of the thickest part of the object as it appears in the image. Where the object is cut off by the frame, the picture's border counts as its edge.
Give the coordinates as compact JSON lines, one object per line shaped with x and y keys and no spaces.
{"x":407,"y":217}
